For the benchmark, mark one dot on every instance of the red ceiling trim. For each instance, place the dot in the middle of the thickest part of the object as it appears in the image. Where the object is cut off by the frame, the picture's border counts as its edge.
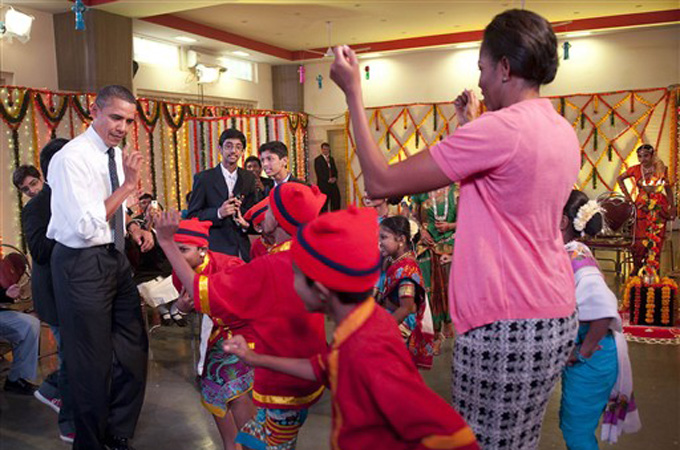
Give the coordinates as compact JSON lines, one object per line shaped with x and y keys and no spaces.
{"x":595,"y":23}
{"x":624,"y":20}
{"x":188,"y":26}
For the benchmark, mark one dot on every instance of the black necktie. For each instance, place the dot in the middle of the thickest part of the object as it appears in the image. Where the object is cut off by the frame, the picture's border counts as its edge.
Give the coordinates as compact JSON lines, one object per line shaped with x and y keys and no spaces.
{"x":116,"y":221}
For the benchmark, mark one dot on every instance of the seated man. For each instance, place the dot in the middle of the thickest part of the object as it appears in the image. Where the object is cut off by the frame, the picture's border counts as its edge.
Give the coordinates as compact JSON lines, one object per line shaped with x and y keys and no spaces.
{"x":151,"y":269}
{"x":23,"y":333}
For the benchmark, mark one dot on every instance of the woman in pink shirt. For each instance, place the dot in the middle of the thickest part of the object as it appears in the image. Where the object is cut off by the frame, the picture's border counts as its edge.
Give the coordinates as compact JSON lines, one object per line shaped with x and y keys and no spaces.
{"x":512,"y":288}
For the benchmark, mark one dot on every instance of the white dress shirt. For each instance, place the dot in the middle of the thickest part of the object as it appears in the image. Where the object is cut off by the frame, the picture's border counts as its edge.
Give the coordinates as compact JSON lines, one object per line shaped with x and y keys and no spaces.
{"x":285,"y":180}
{"x":79,"y":177}
{"x":229,"y":177}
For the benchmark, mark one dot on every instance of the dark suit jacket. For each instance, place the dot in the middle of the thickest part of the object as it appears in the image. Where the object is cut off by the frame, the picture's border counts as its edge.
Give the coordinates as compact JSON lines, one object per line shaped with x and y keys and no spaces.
{"x":323,"y":173}
{"x":208,"y":193}
{"x":268,"y":183}
{"x":268,"y":189}
{"x":35,"y":217}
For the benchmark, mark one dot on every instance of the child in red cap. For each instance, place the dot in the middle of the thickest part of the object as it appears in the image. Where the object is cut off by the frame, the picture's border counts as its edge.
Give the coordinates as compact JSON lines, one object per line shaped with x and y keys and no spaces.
{"x":261,"y":294}
{"x":255,"y":216}
{"x":380,"y":401}
{"x":224,"y":379}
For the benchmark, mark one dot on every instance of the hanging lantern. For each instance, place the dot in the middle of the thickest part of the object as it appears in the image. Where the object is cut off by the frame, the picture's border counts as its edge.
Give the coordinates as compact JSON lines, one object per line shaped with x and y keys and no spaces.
{"x":319,"y":80}
{"x":367,"y":72}
{"x":301,"y":73}
{"x":78,"y":9}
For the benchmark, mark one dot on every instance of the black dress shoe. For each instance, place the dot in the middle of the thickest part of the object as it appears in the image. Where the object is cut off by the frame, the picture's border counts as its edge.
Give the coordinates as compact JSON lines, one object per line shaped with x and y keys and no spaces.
{"x":118,"y":443}
{"x":20,"y":386}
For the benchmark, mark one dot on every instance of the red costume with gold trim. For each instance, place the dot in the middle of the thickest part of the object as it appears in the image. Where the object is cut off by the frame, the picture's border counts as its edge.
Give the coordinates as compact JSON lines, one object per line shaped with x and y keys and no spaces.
{"x":258,"y":248}
{"x":380,"y":401}
{"x":215,"y":263}
{"x":261,"y":295}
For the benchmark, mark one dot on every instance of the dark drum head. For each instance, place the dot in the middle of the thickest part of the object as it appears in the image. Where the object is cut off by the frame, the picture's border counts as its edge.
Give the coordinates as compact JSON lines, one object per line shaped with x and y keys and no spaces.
{"x":12,"y":268}
{"x":617,"y":211}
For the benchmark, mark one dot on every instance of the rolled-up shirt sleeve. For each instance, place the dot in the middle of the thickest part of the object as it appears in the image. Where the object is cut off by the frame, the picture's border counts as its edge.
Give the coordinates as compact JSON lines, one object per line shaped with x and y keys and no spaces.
{"x":81,"y":206}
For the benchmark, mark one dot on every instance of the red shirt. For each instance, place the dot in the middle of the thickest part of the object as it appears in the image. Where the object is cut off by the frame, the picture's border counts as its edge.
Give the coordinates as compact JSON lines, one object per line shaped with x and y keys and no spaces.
{"x":380,"y":401}
{"x":262,"y":295}
{"x":258,"y":248}
{"x":227,"y":326}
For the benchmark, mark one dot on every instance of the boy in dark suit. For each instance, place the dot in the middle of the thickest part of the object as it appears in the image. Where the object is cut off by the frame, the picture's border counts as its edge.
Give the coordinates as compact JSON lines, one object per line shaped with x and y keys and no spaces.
{"x":35,"y":216}
{"x":224,"y":192}
{"x":274,"y":157}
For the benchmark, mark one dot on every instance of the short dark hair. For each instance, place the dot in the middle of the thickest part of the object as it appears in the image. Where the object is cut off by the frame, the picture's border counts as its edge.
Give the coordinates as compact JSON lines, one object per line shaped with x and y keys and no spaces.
{"x":347,"y":297}
{"x":527,"y":41}
{"x":22,"y":172}
{"x":48,"y":151}
{"x":325,"y":144}
{"x":145,"y":196}
{"x":253,"y":158}
{"x":276,"y":147}
{"x":114,"y":91}
{"x":576,"y":200}
{"x":232,"y":133}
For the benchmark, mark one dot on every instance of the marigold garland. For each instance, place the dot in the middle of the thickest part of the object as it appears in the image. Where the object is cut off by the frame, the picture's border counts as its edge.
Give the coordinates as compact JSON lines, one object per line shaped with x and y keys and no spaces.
{"x":649,"y":305}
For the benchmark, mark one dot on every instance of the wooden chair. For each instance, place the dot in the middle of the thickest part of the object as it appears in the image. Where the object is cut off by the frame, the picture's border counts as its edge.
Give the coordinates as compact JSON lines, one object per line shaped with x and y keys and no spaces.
{"x":618,"y":236}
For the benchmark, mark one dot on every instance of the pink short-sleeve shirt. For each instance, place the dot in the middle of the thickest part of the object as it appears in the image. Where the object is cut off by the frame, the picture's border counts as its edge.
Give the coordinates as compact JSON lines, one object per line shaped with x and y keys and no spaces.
{"x":516,"y":168}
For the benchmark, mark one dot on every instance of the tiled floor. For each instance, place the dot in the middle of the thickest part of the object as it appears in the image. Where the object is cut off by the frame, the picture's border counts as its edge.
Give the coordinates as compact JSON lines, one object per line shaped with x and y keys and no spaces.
{"x":173,"y":418}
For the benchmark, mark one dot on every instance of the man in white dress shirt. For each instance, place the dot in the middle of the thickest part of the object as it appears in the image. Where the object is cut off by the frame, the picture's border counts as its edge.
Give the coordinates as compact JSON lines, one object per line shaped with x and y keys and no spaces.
{"x":105,"y":344}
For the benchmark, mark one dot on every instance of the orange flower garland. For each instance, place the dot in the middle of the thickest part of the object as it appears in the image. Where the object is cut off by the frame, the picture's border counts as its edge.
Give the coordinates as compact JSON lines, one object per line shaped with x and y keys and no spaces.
{"x":649,"y":306}
{"x":638,"y":301}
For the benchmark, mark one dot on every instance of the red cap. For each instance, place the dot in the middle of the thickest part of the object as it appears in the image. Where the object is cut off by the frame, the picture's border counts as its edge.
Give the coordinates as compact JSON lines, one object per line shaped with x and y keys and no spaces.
{"x":340,"y":249}
{"x":193,"y":232}
{"x":294,"y":204}
{"x":255,"y":215}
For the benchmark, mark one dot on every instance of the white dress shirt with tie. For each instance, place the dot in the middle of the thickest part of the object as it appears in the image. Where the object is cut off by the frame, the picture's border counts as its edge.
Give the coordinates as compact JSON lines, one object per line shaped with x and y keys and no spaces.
{"x":230,"y":178}
{"x":79,"y":177}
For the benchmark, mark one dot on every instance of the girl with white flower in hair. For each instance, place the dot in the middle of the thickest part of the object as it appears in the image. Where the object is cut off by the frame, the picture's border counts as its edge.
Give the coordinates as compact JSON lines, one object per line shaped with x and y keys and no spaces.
{"x":597,"y":378}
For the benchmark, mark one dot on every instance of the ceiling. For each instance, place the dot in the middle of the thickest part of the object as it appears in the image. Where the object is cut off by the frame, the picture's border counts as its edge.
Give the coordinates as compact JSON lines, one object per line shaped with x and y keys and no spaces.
{"x":276,"y":31}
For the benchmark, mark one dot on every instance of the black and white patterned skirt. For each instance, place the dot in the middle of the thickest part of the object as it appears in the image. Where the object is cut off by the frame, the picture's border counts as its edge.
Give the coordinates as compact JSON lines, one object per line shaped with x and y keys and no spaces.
{"x":503,"y":375}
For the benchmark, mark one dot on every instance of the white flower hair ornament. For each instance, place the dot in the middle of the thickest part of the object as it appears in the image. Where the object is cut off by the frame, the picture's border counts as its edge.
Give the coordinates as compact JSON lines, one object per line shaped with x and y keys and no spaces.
{"x":584,"y":214}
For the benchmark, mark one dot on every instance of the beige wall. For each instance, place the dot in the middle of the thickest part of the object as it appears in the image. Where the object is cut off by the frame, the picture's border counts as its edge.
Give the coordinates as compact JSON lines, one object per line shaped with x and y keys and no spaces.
{"x":182,"y":82}
{"x":33,"y":64}
{"x":608,"y":62}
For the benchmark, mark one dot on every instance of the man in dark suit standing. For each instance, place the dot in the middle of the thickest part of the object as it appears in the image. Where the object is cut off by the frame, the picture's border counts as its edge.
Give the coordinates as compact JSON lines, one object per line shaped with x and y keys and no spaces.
{"x":35,"y":218}
{"x":274,"y":157}
{"x":221,"y":193}
{"x":327,"y":177}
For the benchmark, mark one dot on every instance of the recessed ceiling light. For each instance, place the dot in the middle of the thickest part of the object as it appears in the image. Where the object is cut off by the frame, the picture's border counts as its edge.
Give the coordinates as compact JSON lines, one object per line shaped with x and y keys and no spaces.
{"x":240,"y":53}
{"x":186,"y":39}
{"x":578,"y":34}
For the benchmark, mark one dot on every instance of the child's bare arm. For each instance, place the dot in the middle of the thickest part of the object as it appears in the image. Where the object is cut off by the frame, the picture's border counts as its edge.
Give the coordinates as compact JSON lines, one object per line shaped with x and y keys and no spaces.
{"x":301,"y":368}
